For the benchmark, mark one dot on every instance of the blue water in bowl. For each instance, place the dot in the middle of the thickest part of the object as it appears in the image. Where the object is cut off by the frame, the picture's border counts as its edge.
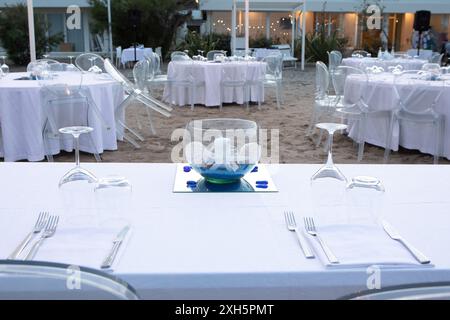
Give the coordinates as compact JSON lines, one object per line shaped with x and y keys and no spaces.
{"x":222,"y":175}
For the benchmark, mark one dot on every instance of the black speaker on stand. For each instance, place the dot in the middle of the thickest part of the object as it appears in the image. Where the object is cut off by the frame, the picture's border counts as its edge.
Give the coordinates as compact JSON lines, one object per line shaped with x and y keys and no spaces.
{"x":422,"y":21}
{"x":134,"y":20}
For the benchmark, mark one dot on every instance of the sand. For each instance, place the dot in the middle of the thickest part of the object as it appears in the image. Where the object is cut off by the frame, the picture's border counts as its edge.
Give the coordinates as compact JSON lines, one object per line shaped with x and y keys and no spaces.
{"x":292,"y":122}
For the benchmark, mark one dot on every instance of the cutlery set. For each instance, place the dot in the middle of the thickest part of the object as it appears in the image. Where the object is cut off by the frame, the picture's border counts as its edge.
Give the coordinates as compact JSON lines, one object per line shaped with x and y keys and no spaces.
{"x":313,"y":232}
{"x":45,"y":228}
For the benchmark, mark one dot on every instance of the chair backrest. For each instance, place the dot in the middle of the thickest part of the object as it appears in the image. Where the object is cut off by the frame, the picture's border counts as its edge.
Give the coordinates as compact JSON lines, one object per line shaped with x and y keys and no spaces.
{"x":30,"y":280}
{"x":274,"y":66}
{"x":425,"y":291}
{"x":437,"y":58}
{"x":360,"y":53}
{"x":339,"y":78}
{"x":119,"y":52}
{"x":322,"y":80}
{"x":155,"y":63}
{"x":432,"y":67}
{"x":334,"y":59}
{"x":158,"y":51}
{"x":118,"y":76}
{"x":418,"y":92}
{"x":211,"y":54}
{"x":88,"y":61}
{"x":179,"y":54}
{"x":140,"y":74}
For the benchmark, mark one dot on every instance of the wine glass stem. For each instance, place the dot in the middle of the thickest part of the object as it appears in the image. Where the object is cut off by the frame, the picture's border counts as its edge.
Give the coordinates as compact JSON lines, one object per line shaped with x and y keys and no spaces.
{"x":330,"y":149}
{"x":77,"y":150}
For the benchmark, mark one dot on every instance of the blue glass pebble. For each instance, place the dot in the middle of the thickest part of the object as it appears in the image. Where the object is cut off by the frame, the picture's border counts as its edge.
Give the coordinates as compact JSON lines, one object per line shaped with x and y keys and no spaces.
{"x":187,"y":169}
{"x":191,"y":183}
{"x":262,"y":186}
{"x":262,"y":182}
{"x":255,"y":169}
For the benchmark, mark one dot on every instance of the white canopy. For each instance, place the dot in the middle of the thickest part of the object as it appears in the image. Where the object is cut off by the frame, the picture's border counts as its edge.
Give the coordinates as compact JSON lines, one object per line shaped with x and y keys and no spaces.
{"x":267,"y":5}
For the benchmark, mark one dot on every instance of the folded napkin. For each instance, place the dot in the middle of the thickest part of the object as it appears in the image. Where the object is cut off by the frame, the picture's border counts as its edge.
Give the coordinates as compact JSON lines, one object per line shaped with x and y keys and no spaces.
{"x":357,"y":246}
{"x":82,"y":246}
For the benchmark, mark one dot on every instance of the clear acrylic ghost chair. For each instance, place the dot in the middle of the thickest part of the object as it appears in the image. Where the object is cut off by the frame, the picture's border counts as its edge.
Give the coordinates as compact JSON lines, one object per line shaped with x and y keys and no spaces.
{"x":90,"y":62}
{"x":360,"y":53}
{"x":141,"y":72}
{"x":134,"y":93}
{"x":421,"y":291}
{"x":211,"y":54}
{"x":432,"y":68}
{"x":437,"y":58}
{"x":356,"y":110}
{"x":274,"y":76}
{"x":155,"y":76}
{"x":67,"y":105}
{"x":158,"y":51}
{"x":236,"y":79}
{"x":35,"y":280}
{"x":179,"y":54}
{"x":334,"y":59}
{"x":119,"y":57}
{"x":324,"y":103}
{"x":184,"y":78}
{"x":417,"y":98}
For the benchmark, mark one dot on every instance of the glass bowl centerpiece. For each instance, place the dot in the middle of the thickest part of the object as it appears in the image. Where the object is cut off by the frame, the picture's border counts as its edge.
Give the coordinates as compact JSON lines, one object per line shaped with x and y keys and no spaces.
{"x":222,"y":150}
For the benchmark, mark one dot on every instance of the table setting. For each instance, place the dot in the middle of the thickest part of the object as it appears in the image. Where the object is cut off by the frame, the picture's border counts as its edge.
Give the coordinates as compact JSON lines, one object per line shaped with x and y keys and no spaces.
{"x":210,"y":72}
{"x":365,"y":62}
{"x":21,"y":103}
{"x":280,"y":235}
{"x":380,"y":96}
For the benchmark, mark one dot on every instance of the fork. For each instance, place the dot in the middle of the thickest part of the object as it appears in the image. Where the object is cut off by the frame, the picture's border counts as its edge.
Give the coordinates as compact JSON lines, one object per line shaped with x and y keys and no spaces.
{"x":49,"y":231}
{"x":312,"y":230}
{"x":39,"y":225}
{"x":292,"y":226}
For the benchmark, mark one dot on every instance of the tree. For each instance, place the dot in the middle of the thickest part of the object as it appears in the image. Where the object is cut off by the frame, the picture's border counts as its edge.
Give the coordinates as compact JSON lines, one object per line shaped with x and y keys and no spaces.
{"x":160,"y":20}
{"x":15,"y":37}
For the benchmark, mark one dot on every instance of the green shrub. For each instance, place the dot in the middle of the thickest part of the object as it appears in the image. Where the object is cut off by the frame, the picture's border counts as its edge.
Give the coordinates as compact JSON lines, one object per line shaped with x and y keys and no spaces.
{"x":15,"y":37}
{"x":195,"y":42}
{"x":319,"y":43}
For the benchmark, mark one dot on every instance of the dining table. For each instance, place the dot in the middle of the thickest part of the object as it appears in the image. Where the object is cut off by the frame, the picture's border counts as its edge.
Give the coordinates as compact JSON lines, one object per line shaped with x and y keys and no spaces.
{"x":210,"y":74}
{"x":22,"y":116}
{"x":128,"y":54}
{"x":368,"y":62}
{"x":229,"y":245}
{"x":381,"y":98}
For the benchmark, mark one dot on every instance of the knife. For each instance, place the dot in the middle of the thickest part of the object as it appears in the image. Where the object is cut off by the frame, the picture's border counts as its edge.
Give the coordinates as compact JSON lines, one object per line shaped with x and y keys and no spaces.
{"x":117,"y":242}
{"x":392,"y":232}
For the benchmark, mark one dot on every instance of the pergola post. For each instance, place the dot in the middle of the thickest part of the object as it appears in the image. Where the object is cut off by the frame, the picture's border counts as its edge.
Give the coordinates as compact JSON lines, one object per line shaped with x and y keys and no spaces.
{"x":303,"y":34}
{"x":110,"y":31}
{"x":293,"y":22}
{"x":247,"y":27}
{"x":233,"y":28}
{"x":31,"y":30}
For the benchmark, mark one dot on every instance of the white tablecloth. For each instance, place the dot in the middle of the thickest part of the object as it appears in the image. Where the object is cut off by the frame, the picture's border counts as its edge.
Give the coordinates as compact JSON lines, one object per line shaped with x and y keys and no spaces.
{"x":128,"y":54}
{"x":211,"y":74}
{"x":225,"y":246}
{"x":22,"y":119}
{"x":407,"y":64}
{"x":380,"y":96}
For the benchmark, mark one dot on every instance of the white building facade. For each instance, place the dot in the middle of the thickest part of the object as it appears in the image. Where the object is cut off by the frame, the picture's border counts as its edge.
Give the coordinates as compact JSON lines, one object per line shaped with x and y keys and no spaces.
{"x":338,"y":16}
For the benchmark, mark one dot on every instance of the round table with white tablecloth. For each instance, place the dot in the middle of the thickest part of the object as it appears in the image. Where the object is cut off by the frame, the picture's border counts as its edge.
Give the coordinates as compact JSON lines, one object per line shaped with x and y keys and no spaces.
{"x":380,"y":96}
{"x":211,"y":74}
{"x":141,"y":53}
{"x":22,"y":116}
{"x":407,"y":64}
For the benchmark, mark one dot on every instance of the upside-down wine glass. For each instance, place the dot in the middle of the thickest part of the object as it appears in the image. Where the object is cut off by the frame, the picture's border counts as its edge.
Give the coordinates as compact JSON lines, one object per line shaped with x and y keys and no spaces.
{"x":329,"y":170}
{"x":4,"y":67}
{"x":77,"y":173}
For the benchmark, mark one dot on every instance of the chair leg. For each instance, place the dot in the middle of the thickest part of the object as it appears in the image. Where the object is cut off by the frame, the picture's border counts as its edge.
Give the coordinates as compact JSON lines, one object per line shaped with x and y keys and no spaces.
{"x":361,"y":138}
{"x":278,"y":97}
{"x":319,"y":139}
{"x":312,"y":123}
{"x":137,"y":135}
{"x":152,"y":128}
{"x":247,"y":97}
{"x":387,"y":150}
{"x":94,"y":146}
{"x":193,"y":97}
